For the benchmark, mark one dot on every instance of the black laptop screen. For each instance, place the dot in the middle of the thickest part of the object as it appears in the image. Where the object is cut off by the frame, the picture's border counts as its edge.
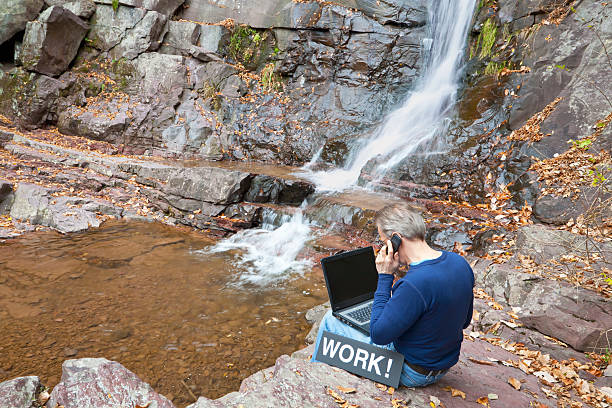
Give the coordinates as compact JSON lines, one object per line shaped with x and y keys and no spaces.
{"x":351,"y":277}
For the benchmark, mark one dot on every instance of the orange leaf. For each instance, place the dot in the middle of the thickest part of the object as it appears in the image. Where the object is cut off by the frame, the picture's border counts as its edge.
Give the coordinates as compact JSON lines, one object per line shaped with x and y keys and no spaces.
{"x":483,"y":401}
{"x":515,"y":383}
{"x":346,"y":390}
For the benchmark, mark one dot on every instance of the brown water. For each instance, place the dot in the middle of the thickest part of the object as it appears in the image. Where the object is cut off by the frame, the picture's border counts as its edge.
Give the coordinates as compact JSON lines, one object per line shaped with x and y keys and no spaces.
{"x":137,"y":293}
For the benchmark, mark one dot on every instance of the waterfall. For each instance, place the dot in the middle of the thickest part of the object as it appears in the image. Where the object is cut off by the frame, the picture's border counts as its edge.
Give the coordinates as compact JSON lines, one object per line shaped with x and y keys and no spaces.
{"x":422,"y":121}
{"x":266,"y":255}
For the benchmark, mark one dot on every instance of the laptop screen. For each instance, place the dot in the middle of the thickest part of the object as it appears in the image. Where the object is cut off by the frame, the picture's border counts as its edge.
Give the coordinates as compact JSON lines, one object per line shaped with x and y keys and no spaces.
{"x":351,"y":277}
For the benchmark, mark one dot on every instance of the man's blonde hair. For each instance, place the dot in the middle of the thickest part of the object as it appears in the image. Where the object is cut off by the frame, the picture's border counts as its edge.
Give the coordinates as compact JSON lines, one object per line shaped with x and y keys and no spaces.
{"x":403,"y":219}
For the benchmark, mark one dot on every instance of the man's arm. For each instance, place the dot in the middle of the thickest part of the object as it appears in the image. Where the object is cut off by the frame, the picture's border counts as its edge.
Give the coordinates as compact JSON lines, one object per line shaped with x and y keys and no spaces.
{"x":392,"y":316}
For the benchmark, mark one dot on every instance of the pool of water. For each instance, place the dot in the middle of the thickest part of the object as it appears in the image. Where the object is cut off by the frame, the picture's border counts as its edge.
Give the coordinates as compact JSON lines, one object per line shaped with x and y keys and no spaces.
{"x":150,"y":297}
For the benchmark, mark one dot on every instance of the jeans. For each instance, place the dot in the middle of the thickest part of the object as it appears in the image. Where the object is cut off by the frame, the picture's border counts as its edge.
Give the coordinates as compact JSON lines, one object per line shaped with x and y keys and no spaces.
{"x":409,"y":377}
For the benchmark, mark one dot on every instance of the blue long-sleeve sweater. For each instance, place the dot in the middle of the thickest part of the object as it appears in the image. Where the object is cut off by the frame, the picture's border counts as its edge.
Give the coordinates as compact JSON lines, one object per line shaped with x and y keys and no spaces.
{"x":425,"y":315}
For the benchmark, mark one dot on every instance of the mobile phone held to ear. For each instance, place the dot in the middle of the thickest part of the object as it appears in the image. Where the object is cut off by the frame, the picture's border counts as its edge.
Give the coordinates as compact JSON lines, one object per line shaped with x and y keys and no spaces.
{"x":396,"y":241}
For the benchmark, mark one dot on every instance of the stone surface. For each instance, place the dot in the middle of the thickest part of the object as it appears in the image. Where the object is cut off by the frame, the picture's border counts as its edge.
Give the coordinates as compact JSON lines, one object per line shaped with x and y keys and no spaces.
{"x":88,"y":383}
{"x":576,"y":316}
{"x":266,"y":189}
{"x":20,"y":392}
{"x":51,"y":42}
{"x":180,"y":37}
{"x":144,"y":36}
{"x":166,"y":7}
{"x":14,"y":14}
{"x":296,"y":382}
{"x":82,"y":8}
{"x":34,"y":204}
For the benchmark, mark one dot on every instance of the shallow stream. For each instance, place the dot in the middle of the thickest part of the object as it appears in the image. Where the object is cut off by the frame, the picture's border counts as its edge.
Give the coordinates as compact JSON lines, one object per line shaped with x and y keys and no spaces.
{"x":151,"y":297}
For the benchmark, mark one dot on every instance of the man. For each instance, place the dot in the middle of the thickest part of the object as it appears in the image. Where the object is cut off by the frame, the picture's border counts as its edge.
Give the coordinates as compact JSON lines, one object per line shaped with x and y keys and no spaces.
{"x":424,"y":313}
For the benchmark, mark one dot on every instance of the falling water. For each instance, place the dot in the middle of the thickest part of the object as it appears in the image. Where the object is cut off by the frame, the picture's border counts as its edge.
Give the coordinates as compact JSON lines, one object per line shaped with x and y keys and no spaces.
{"x":423,"y":119}
{"x":266,"y":255}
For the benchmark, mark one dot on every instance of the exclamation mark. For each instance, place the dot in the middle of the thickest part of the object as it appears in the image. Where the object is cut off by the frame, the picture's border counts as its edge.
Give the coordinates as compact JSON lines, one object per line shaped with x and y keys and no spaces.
{"x":388,"y":368}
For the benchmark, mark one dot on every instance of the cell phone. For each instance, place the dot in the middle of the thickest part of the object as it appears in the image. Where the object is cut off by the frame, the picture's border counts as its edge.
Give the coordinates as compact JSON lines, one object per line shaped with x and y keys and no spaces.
{"x":396,"y":241}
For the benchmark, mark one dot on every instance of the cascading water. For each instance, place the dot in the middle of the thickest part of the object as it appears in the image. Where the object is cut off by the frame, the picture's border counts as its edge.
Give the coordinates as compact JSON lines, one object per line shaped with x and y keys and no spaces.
{"x":423,"y":119}
{"x":267,"y":255}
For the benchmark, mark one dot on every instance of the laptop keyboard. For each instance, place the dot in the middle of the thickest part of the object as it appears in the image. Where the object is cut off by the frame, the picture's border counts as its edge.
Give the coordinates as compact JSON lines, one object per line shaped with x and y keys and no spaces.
{"x":361,"y":315}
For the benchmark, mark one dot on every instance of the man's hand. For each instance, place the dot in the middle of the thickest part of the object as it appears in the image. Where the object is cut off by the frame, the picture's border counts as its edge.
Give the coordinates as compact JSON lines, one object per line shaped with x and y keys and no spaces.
{"x":386,"y":261}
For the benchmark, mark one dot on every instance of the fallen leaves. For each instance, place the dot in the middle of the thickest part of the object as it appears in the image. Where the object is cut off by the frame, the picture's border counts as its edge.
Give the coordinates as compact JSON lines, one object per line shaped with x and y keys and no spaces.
{"x":483,"y":401}
{"x":455,"y":392}
{"x":531,"y":129}
{"x":340,"y":400}
{"x":346,"y":390}
{"x":514,"y":383}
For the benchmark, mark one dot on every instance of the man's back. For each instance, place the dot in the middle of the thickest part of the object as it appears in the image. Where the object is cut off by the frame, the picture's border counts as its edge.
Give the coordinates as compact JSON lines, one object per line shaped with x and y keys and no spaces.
{"x":427,"y":312}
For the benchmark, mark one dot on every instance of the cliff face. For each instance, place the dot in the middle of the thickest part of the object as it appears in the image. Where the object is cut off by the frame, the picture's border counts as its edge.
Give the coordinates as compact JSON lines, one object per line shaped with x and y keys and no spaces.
{"x":157,"y":77}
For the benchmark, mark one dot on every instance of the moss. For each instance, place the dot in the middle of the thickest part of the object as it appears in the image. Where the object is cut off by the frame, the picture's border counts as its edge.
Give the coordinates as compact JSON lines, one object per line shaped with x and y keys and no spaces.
{"x":250,"y":47}
{"x":486,"y":39}
{"x":269,"y":80}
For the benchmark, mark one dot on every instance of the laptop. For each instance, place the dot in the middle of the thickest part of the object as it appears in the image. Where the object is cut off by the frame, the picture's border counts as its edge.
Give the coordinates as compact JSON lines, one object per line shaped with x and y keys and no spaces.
{"x":351,"y":280}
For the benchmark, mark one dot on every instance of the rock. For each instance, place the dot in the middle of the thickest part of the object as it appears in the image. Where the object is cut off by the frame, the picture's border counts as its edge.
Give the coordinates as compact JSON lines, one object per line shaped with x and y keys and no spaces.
{"x":20,"y":392}
{"x":108,"y":28}
{"x":82,"y":8}
{"x":543,"y":244}
{"x":608,"y":371}
{"x":571,"y":314}
{"x":559,"y":210}
{"x":14,"y":15}
{"x":314,"y":317}
{"x":213,"y":38}
{"x":33,"y":203}
{"x":88,"y":382}
{"x":6,"y":196}
{"x":161,"y":74}
{"x":267,"y":189}
{"x":210,"y":184}
{"x":51,"y":42}
{"x":165,"y":7}
{"x":180,"y":37}
{"x":146,"y":35}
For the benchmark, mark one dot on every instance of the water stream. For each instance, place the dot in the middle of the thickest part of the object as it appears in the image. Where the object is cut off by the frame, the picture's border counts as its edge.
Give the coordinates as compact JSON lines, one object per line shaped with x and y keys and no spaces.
{"x":420,"y":124}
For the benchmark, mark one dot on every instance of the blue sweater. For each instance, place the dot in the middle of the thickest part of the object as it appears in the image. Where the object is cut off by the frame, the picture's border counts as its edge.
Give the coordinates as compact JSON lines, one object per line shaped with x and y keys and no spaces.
{"x":430,"y":307}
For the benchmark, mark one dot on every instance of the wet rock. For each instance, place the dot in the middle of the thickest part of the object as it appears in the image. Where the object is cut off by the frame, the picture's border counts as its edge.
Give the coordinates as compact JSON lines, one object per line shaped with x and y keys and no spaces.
{"x":88,"y":382}
{"x":14,"y":15}
{"x":314,"y":317}
{"x":20,"y":392}
{"x":52,"y":41}
{"x":266,"y":189}
{"x":6,"y":196}
{"x":559,"y":210}
{"x":245,"y":212}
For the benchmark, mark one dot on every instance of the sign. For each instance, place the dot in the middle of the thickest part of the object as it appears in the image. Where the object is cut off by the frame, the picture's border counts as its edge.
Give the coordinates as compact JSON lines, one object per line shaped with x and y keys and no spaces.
{"x":378,"y":364}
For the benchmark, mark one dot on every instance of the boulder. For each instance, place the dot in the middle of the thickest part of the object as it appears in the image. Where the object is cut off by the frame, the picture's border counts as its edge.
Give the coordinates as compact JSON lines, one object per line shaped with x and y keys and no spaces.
{"x":14,"y":15}
{"x":180,"y":37}
{"x":109,"y":27}
{"x":82,"y":8}
{"x":33,"y":203}
{"x":576,"y":316}
{"x":267,"y":189}
{"x":213,"y":38}
{"x":6,"y":196}
{"x":51,"y":42}
{"x":90,"y":382}
{"x":211,"y":184}
{"x":21,"y":392}
{"x":144,"y":36}
{"x":161,"y":74}
{"x":543,"y":244}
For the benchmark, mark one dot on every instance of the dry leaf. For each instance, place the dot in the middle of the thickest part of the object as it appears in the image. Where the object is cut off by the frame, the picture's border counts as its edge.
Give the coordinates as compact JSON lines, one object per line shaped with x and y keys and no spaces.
{"x":455,"y":392}
{"x":483,"y":401}
{"x":391,"y":390}
{"x":473,"y":360}
{"x":381,"y":387}
{"x":515,"y":383}
{"x":346,"y":390}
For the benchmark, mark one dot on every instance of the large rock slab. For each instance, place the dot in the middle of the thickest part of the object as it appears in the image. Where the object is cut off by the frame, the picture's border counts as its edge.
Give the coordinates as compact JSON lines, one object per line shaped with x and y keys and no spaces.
{"x":576,"y":316}
{"x":166,"y":7}
{"x":97,"y":382}
{"x":14,"y":15}
{"x":51,"y":42}
{"x":296,"y":382}
{"x":161,"y":74}
{"x":144,"y":36}
{"x":20,"y":392}
{"x":81,"y":8}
